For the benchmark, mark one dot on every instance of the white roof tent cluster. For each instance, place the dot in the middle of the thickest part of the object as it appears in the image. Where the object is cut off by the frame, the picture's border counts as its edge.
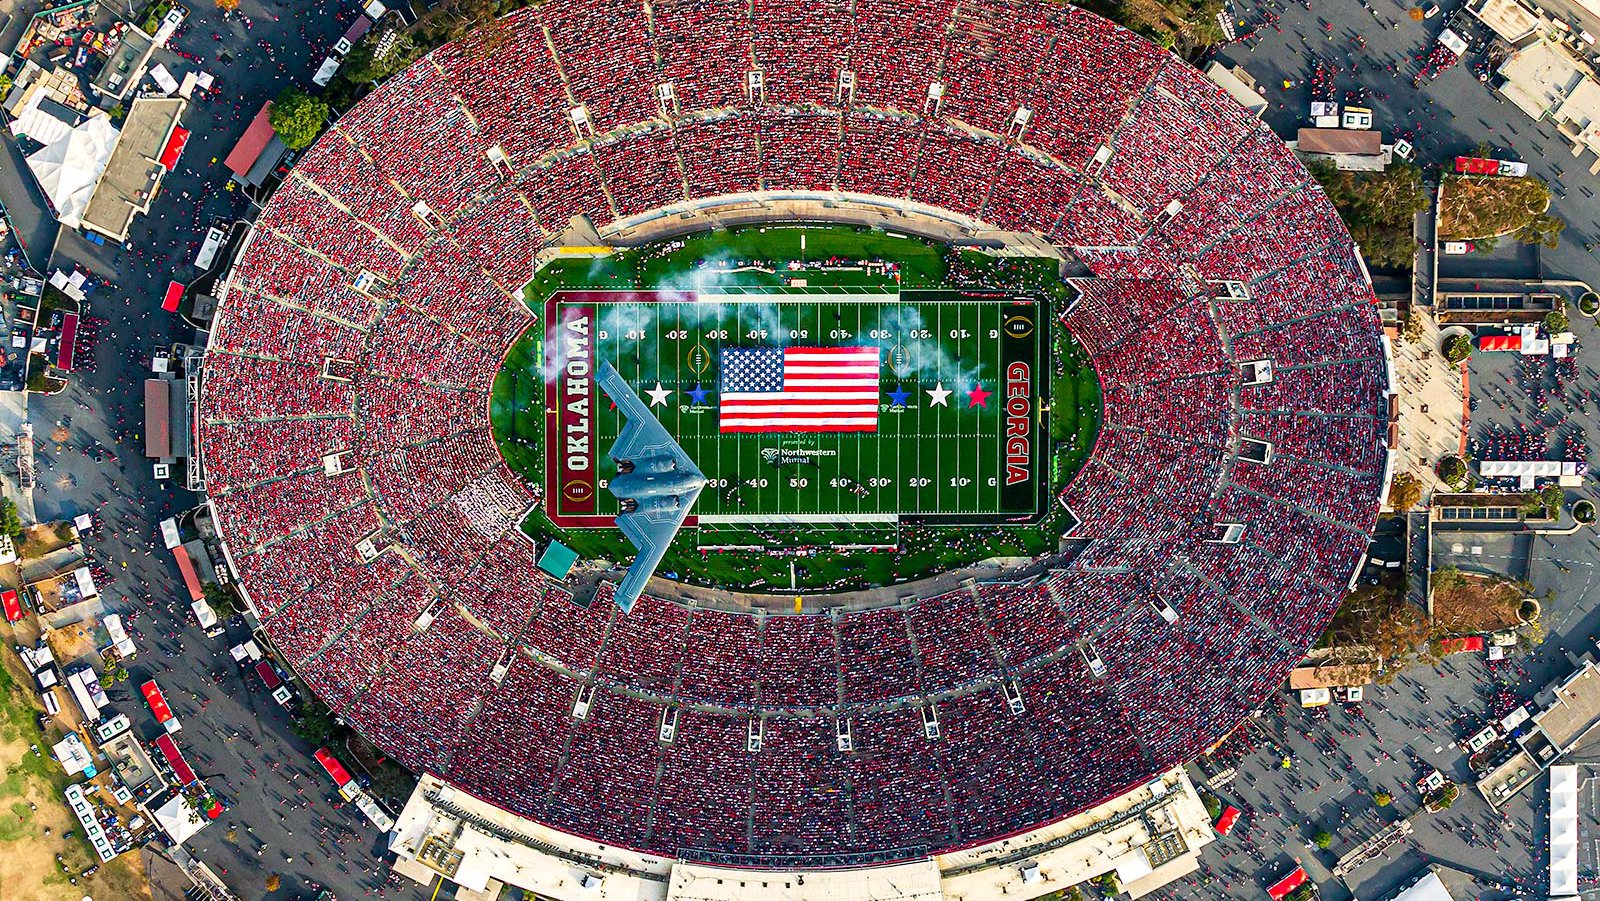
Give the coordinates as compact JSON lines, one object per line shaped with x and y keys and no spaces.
{"x":1528,"y":472}
{"x":96,"y":176}
{"x":1563,"y":831}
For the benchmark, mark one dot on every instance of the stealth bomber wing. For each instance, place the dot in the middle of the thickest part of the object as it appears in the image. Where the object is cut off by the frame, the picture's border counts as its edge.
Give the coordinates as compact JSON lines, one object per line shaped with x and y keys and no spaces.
{"x":656,"y":484}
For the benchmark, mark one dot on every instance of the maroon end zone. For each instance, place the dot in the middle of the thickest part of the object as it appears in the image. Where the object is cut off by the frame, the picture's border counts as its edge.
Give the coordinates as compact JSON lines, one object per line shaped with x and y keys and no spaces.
{"x":572,"y":455}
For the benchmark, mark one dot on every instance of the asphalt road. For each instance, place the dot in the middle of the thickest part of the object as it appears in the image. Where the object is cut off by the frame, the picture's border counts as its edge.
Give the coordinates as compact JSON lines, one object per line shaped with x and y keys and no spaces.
{"x":281,"y":803}
{"x":1446,"y":117}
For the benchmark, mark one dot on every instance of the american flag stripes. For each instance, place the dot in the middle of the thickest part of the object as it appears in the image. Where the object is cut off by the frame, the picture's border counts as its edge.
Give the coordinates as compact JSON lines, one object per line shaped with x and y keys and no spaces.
{"x":799,"y":389}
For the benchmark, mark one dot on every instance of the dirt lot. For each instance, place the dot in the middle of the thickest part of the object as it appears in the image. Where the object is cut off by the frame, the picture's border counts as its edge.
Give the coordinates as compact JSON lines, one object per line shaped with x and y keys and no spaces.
{"x":1464,"y":603}
{"x":1480,"y":206}
{"x":28,"y":868}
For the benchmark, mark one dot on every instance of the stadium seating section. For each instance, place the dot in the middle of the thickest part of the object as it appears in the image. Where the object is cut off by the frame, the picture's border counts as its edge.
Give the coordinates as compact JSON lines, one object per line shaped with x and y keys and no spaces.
{"x":358,"y":322}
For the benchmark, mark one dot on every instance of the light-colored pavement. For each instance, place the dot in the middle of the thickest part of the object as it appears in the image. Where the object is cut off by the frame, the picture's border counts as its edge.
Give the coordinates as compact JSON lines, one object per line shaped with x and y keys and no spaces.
{"x":1432,"y":417}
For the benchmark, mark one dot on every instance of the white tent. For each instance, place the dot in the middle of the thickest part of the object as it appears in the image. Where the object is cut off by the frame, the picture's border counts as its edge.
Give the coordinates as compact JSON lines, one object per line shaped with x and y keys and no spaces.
{"x":1527,"y":471}
{"x":1563,"y":831}
{"x":69,"y":168}
{"x":1428,"y":888}
{"x":178,"y":820}
{"x":38,"y":124}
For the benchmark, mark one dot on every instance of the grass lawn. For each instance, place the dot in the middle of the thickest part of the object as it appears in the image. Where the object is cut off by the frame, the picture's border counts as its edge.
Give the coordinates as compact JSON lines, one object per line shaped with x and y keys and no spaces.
{"x":688,"y":262}
{"x":771,"y":258}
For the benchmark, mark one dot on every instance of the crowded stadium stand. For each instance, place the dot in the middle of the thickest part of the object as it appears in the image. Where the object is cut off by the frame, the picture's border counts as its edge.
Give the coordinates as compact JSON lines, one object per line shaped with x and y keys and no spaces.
{"x":370,"y":310}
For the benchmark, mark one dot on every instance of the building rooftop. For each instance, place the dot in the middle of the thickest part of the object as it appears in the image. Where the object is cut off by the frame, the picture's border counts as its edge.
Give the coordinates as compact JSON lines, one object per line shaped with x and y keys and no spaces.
{"x":136,"y":168}
{"x":1507,"y":18}
{"x":918,"y":881}
{"x":1239,"y":85}
{"x":125,"y":65}
{"x":1575,"y":709}
{"x":1539,"y":77}
{"x":157,"y":418}
{"x":253,"y":147}
{"x":1366,"y":142}
{"x":1347,"y":675}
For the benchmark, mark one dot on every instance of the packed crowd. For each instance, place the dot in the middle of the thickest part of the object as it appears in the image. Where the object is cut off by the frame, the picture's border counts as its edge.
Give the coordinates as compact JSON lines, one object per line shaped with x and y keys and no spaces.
{"x":392,"y":260}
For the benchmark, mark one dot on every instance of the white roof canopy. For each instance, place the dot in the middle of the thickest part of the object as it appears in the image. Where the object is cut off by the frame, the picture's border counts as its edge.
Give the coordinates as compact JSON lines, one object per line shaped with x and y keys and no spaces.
{"x":1563,"y":831}
{"x":69,"y":168}
{"x":178,"y":820}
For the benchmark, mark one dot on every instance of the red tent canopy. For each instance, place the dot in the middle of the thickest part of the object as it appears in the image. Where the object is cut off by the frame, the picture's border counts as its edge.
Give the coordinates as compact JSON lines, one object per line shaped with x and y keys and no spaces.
{"x":190,"y":579}
{"x":174,"y":294}
{"x":252,"y":143}
{"x":180,"y":767}
{"x":174,"y":148}
{"x":156,"y":700}
{"x":12,"y":605}
{"x":1287,"y":884}
{"x":269,"y":676}
{"x":69,"y":334}
{"x":1228,"y":820}
{"x":341,"y":776}
{"x":1500,"y":342}
{"x":1461,"y":645}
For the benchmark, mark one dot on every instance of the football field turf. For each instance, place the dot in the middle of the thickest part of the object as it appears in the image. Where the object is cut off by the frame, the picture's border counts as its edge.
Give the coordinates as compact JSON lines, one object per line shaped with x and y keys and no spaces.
{"x":957,"y":434}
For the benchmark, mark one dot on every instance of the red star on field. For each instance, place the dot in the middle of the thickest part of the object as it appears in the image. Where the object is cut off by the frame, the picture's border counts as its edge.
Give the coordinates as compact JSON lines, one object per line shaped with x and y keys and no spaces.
{"x":979,"y":397}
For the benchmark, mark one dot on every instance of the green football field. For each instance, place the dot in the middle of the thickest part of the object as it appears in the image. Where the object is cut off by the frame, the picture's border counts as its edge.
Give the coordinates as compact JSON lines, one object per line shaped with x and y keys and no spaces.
{"x":799,"y":267}
{"x":957,"y":427}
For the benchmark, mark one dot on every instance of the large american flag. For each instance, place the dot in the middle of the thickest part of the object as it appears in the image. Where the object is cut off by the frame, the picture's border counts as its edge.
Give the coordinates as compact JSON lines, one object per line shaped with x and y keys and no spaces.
{"x":799,"y":389}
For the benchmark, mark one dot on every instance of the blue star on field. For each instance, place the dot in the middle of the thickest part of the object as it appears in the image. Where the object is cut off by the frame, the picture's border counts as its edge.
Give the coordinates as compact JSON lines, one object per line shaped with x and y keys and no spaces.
{"x":899,"y":396}
{"x":698,"y":395}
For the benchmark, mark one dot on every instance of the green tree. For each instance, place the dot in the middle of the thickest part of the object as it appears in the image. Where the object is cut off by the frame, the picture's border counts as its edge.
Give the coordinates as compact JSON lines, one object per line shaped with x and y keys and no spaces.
{"x":1551,"y":498}
{"x":1457,"y":348}
{"x":1556,"y":321}
{"x":222,"y":600}
{"x":362,"y":67}
{"x":1413,"y":326}
{"x":1322,"y":839}
{"x":316,"y":724}
{"x":297,"y":117}
{"x":1382,"y":798}
{"x":1405,"y":492}
{"x":1379,"y":208}
{"x":1583,"y":511}
{"x":10,"y":520}
{"x":1453,"y":470}
{"x":1379,"y":617}
{"x":1544,"y":230}
{"x":452,"y":19}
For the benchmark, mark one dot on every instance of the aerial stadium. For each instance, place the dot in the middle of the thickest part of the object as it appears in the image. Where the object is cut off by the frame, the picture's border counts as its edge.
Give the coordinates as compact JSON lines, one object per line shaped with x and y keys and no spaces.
{"x":1100,"y":448}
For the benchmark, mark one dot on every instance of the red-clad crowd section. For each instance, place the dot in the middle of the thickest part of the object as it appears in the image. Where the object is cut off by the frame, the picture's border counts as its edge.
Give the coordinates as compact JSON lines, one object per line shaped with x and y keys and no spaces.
{"x":368,"y":316}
